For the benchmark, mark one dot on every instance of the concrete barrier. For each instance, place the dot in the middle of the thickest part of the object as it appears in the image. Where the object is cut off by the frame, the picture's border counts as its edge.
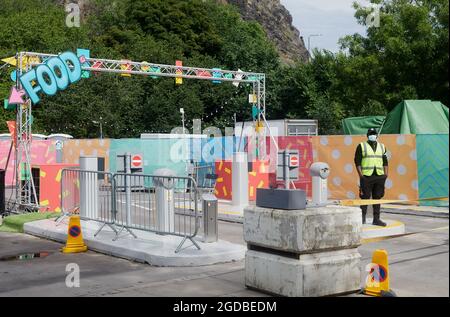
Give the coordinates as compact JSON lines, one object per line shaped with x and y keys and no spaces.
{"x":303,"y":253}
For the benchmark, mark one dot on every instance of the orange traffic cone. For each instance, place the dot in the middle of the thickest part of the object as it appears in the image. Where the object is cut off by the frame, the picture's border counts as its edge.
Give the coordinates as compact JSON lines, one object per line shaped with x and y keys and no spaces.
{"x":377,"y":283}
{"x":75,"y":243}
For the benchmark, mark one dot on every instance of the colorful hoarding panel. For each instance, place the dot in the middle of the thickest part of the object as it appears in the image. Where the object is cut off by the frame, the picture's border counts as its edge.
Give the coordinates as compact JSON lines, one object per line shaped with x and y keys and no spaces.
{"x":73,"y":149}
{"x":432,"y":158}
{"x":42,"y":152}
{"x":343,"y":183}
{"x":258,"y":177}
{"x":302,"y":144}
{"x":49,"y":188}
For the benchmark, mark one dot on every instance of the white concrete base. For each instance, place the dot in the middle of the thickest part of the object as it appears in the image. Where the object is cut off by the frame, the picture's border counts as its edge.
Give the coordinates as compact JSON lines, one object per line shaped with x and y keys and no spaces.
{"x":393,"y":228}
{"x":229,"y":212}
{"x":320,"y":274}
{"x":226,"y":211}
{"x":303,"y":231}
{"x":156,"y":250}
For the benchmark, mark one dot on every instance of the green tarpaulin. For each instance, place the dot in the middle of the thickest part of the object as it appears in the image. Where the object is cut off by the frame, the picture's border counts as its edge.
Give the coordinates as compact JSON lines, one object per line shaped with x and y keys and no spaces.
{"x":417,"y":117}
{"x":360,"y":125}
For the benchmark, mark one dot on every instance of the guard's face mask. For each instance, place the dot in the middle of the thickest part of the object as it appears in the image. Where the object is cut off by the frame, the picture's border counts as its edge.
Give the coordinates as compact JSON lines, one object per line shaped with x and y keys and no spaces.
{"x":373,"y":138}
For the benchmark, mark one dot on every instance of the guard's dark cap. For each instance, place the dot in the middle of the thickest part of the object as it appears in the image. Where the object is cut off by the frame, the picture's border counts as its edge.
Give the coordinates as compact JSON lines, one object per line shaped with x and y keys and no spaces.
{"x":372,"y":131}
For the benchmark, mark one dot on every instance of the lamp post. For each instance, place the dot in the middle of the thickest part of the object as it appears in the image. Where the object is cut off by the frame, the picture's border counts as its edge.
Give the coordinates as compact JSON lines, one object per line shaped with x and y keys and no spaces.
{"x":309,"y":42}
{"x":182,"y":118}
{"x":101,"y":127}
{"x":184,"y":133}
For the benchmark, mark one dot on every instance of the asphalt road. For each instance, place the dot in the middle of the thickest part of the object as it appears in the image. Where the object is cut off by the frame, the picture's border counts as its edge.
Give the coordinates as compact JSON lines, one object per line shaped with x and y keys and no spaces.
{"x":419,"y":266}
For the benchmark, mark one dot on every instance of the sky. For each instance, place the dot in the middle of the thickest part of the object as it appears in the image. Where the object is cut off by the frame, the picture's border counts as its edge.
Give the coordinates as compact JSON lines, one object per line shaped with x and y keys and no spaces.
{"x":331,"y":18}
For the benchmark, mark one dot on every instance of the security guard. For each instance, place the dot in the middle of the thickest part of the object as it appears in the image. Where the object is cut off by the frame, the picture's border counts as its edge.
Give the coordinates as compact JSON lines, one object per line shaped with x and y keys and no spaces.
{"x":373,"y":169}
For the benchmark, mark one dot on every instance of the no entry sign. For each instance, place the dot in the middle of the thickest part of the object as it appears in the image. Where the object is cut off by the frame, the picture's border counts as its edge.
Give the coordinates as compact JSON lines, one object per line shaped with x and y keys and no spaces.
{"x":294,"y":160}
{"x":291,"y":160}
{"x":137,"y":161}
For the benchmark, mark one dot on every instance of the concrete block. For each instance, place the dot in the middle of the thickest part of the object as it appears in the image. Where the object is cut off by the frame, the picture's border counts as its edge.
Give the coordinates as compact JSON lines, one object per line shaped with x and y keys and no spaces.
{"x":303,"y":231}
{"x":312,"y":275}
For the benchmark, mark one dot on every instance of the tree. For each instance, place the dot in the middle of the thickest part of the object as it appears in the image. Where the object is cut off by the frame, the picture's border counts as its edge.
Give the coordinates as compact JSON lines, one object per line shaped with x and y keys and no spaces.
{"x":200,"y":33}
{"x":406,"y":57}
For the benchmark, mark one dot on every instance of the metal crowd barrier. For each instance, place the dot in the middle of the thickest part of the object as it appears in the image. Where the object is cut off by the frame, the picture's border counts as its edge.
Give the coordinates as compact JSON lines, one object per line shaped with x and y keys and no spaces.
{"x":158,"y":204}
{"x":165,"y":205}
{"x":88,"y":194}
{"x":205,"y":177}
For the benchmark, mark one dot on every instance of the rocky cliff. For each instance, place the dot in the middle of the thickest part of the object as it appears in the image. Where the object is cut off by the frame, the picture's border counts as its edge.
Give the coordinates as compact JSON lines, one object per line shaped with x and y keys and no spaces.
{"x":271,"y":14}
{"x":277,"y":21}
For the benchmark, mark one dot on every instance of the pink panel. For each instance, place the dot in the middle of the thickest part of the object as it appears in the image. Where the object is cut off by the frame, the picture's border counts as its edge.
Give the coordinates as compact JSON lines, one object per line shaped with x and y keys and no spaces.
{"x":42,"y":152}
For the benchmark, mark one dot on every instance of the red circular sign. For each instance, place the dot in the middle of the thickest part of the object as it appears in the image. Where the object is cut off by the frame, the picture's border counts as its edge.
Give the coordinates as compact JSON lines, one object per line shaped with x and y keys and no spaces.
{"x":294,"y":160}
{"x":136,"y":161}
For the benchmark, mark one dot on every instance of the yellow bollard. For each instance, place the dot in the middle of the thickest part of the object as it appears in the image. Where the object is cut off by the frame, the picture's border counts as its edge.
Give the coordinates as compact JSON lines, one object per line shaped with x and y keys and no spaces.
{"x":377,"y":283}
{"x":75,"y":243}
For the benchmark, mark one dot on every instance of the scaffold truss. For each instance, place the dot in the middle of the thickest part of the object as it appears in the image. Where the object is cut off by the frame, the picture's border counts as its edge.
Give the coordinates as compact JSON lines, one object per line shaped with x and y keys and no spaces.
{"x":26,"y":198}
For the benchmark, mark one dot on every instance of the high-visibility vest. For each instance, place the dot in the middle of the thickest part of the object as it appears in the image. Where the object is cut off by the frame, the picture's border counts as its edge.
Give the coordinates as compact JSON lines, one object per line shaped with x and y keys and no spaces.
{"x":372,"y":160}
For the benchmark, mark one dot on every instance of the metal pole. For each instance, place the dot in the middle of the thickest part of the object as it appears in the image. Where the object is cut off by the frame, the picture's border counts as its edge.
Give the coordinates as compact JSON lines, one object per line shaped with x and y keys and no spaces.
{"x":286,"y":170}
{"x":183,"y":122}
{"x":128,"y":186}
{"x":101,"y":128}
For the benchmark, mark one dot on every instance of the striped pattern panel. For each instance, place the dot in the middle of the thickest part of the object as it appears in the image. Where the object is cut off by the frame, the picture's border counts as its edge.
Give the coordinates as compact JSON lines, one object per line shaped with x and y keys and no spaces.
{"x":432,"y":156}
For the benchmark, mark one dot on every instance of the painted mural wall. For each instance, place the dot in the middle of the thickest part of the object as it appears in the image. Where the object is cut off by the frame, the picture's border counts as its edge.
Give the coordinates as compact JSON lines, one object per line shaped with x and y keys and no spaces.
{"x":339,"y":152}
{"x":49,"y":190}
{"x":415,"y":166}
{"x":432,"y":154}
{"x":73,"y":149}
{"x":42,"y":152}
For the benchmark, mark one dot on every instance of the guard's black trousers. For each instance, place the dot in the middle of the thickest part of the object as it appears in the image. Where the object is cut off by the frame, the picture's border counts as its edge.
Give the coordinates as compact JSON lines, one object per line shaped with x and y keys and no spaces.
{"x":372,"y":187}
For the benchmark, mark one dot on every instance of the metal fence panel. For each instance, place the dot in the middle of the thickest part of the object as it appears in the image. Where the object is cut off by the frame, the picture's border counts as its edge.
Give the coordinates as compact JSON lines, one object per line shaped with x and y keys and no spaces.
{"x":88,"y":194}
{"x":163,"y":205}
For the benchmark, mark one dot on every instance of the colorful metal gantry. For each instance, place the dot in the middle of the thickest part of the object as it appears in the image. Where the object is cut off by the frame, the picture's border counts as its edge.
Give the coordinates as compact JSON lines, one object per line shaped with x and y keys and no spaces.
{"x":26,"y":197}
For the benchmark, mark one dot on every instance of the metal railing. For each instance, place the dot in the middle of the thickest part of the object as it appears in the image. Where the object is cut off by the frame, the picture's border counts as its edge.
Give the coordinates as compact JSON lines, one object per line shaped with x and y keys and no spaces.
{"x":165,"y":205}
{"x":205,"y":177}
{"x":88,"y":194}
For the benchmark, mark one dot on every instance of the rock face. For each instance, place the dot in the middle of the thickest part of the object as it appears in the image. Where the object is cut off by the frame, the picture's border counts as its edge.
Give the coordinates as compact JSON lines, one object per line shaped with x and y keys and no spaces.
{"x":271,"y":14}
{"x":277,"y":21}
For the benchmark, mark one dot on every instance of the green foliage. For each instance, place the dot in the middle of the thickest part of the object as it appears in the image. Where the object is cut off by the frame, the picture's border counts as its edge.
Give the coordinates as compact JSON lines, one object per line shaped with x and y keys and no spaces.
{"x":200,"y":33}
{"x":405,"y":58}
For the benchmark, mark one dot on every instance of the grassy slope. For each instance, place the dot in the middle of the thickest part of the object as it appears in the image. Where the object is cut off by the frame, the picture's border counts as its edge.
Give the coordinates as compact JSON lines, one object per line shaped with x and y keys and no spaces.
{"x":15,"y":223}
